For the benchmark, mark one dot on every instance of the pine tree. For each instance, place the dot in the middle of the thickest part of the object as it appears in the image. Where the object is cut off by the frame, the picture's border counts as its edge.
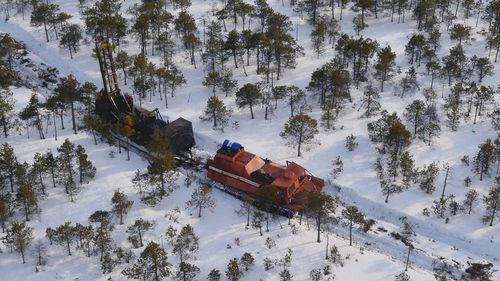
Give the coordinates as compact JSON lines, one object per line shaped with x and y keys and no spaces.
{"x":69,"y":92}
{"x":124,"y":62}
{"x":216,"y":112}
{"x":102,"y":236}
{"x":318,"y":36}
{"x":104,"y":19}
{"x":492,"y":202}
{"x":409,"y":82}
{"x":121,"y":204}
{"x":32,"y":115}
{"x":6,"y":111}
{"x":370,"y":101}
{"x":26,"y":199}
{"x":161,"y":168}
{"x":201,"y":199}
{"x":187,"y":272}
{"x":19,"y":237}
{"x":39,"y":170}
{"x":248,"y":95}
{"x":428,"y":176}
{"x":414,"y":114}
{"x":233,"y":271}
{"x":186,"y":243}
{"x":482,"y":67}
{"x":71,"y":37}
{"x":85,"y":167}
{"x":247,"y":261}
{"x":214,"y":275}
{"x":299,"y":131}
{"x":389,"y":189}
{"x":5,"y":209}
{"x":471,"y":198}
{"x":461,"y":33}
{"x":8,"y":163}
{"x":138,"y":229}
{"x":484,"y":158}
{"x":52,"y":166}
{"x":44,"y":14}
{"x":152,"y":265}
{"x":258,"y":218}
{"x":385,"y":65}
{"x":353,"y":216}
{"x":65,"y":234}
{"x":321,"y":208}
{"x":66,"y":162}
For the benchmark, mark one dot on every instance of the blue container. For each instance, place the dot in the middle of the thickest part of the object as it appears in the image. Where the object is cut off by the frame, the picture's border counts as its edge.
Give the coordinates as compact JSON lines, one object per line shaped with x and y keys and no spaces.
{"x":235,"y":147}
{"x":225,"y":144}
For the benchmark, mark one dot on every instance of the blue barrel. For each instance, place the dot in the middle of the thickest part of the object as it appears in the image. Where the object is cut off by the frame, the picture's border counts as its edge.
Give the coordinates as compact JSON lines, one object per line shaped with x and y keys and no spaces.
{"x":235,"y":147}
{"x":225,"y":144}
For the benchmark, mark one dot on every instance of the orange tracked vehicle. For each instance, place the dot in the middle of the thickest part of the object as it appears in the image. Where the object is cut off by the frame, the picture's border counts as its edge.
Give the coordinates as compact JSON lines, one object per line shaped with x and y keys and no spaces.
{"x":240,"y":173}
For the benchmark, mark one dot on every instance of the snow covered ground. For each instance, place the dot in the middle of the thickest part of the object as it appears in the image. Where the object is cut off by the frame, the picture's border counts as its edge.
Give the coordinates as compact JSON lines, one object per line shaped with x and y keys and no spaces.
{"x":463,"y":239}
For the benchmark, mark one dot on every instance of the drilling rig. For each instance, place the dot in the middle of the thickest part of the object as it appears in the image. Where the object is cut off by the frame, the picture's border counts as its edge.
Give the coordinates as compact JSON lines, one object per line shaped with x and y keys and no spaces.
{"x":115,"y":107}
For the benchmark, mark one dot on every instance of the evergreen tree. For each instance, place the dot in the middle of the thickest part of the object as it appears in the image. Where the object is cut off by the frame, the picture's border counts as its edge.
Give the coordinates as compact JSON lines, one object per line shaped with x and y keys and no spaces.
{"x":321,"y":208}
{"x":318,"y":36}
{"x":187,"y":272}
{"x":201,"y":199}
{"x":65,"y":234}
{"x":161,"y":168}
{"x":353,"y":216}
{"x":85,"y":167}
{"x":104,"y":19}
{"x":409,"y":82}
{"x":6,"y":111}
{"x":152,"y":265}
{"x":138,"y":229}
{"x":492,"y":202}
{"x":216,"y":112}
{"x":39,"y":170}
{"x":258,"y":220}
{"x":69,"y":92}
{"x":248,"y":95}
{"x":71,"y":37}
{"x":8,"y":164}
{"x":385,"y":65}
{"x":233,"y":271}
{"x":414,"y":114}
{"x":428,"y":176}
{"x":19,"y":237}
{"x":26,"y":199}
{"x":370,"y":101}
{"x":299,"y":131}
{"x":121,"y":204}
{"x":6,"y":208}
{"x":461,"y":33}
{"x":66,"y":163}
{"x":44,"y":14}
{"x":484,"y":158}
{"x":471,"y":198}
{"x":32,"y":115}
{"x":186,"y":243}
{"x":482,"y":67}
{"x":214,"y":275}
{"x":124,"y":62}
{"x":102,"y":236}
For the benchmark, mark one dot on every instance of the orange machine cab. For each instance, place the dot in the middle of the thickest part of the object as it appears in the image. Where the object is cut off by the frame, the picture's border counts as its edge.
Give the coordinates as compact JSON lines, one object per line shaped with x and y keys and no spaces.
{"x":234,"y":167}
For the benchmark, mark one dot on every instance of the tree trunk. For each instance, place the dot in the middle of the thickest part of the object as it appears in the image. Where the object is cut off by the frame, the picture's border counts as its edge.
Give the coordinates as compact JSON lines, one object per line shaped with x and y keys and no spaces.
{"x":73,"y":120}
{"x":350,"y":233}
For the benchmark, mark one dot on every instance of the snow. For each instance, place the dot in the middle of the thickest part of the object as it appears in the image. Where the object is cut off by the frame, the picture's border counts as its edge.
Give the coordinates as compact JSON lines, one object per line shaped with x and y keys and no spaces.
{"x":463,"y":239}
